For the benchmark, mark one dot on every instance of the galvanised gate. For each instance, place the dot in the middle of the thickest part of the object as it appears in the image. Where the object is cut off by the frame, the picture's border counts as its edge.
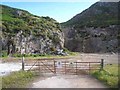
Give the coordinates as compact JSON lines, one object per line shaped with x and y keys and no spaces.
{"x":63,"y":66}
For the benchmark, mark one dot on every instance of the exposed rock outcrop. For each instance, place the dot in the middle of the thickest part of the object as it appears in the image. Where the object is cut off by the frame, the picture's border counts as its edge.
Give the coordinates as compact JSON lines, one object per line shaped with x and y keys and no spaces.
{"x":92,"y":40}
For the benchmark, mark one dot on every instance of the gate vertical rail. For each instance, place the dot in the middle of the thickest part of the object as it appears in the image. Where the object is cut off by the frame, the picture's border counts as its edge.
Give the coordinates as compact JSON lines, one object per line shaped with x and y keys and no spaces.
{"x":65,"y":67}
{"x":76,"y":68}
{"x":89,"y":67}
{"x":54,"y":67}
{"x":39,"y":66}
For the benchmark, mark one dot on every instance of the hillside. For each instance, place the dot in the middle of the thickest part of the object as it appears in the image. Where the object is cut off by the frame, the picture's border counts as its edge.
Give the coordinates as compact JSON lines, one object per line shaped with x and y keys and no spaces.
{"x":95,"y":30}
{"x":34,"y":34}
{"x":100,"y":14}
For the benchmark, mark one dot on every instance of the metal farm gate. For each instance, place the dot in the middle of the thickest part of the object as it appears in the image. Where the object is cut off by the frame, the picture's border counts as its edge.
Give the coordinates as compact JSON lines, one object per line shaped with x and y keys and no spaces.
{"x":63,"y":67}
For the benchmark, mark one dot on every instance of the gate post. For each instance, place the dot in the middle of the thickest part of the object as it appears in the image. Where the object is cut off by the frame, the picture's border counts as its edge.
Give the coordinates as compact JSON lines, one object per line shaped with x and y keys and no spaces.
{"x":23,"y":63}
{"x":39,"y":66}
{"x":76,"y":68}
{"x":102,"y":64}
{"x":65,"y":67}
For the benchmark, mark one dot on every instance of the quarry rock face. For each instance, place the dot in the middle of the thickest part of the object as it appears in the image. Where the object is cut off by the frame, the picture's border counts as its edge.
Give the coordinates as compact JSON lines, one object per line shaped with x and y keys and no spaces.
{"x":33,"y":44}
{"x":92,"y":40}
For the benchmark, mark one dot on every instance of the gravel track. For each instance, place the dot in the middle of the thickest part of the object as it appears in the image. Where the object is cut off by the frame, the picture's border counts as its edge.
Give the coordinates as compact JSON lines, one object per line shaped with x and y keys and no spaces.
{"x":68,"y":81}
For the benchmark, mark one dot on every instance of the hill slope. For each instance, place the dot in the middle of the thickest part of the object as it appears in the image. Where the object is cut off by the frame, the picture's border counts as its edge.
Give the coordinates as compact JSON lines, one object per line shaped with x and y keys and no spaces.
{"x":94,"y":30}
{"x":98,"y":15}
{"x":21,"y":29}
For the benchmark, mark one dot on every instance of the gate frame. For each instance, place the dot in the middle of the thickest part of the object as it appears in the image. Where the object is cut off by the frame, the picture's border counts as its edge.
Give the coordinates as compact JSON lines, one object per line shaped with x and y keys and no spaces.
{"x":65,"y":67}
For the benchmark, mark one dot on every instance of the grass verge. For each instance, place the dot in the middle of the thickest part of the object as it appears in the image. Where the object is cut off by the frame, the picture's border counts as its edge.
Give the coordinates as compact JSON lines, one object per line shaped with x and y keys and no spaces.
{"x":18,"y":79}
{"x":39,"y":57}
{"x":0,"y":82}
{"x":108,"y":76}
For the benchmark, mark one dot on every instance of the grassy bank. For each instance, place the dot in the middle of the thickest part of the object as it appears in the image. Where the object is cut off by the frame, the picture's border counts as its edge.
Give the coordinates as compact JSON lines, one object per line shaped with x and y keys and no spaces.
{"x":108,"y":76}
{"x":37,"y":56}
{"x":18,"y":79}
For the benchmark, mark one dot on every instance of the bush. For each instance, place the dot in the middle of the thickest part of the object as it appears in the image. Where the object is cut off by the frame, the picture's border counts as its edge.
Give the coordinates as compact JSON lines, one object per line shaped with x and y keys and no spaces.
{"x":17,"y":55}
{"x":69,"y":52}
{"x":4,"y":54}
{"x":28,"y":55}
{"x":53,"y":49}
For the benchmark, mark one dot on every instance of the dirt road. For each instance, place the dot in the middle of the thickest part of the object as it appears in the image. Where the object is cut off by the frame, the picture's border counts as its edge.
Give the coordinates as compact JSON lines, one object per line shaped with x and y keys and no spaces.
{"x":68,"y":81}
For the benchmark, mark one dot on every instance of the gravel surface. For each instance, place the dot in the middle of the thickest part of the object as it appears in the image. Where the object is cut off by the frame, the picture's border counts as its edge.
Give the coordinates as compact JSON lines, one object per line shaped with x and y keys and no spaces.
{"x":108,"y":58}
{"x":68,"y":81}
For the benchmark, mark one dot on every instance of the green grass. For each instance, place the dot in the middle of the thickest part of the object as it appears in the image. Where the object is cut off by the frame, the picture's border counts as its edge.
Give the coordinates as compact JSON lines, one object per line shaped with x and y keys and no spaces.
{"x":112,"y":69}
{"x":37,"y":56}
{"x":48,"y":56}
{"x":0,"y":82}
{"x":18,"y":79}
{"x":108,"y":76}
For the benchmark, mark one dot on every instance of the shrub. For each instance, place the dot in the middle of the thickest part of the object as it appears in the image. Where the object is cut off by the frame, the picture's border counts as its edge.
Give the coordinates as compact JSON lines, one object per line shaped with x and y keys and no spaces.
{"x":17,"y":55}
{"x":4,"y":54}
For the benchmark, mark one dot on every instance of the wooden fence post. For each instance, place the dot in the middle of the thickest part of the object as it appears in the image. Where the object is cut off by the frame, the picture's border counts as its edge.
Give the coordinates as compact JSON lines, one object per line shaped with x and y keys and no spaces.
{"x":23,"y":63}
{"x":102,"y":64}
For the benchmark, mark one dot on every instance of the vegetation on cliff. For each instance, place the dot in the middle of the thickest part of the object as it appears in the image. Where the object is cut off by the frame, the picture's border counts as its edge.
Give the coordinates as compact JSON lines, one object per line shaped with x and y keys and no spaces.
{"x":17,"y":22}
